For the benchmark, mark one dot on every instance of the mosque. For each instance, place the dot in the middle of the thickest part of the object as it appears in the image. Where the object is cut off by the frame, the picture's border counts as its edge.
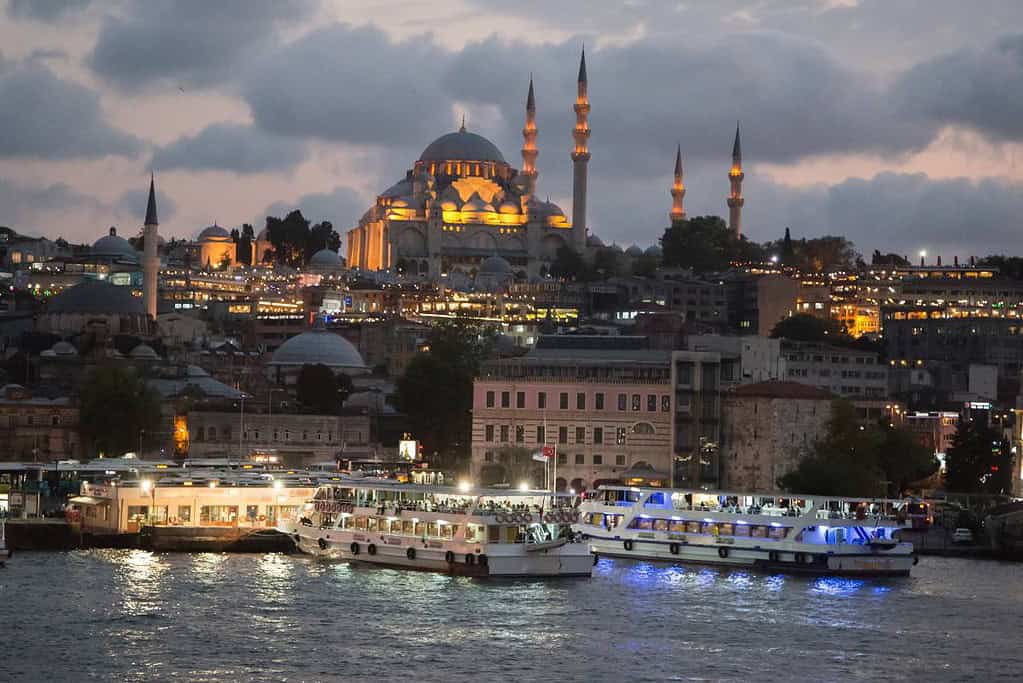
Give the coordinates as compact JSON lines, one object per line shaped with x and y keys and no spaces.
{"x":463,"y":208}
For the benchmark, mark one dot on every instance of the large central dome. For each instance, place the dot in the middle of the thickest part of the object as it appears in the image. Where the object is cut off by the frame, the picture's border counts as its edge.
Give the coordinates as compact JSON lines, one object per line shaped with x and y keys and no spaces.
{"x":462,"y":146}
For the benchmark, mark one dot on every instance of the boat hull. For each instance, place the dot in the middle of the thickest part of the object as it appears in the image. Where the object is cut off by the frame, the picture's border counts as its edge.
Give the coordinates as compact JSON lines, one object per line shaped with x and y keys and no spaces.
{"x":494,"y":560}
{"x":764,"y":559}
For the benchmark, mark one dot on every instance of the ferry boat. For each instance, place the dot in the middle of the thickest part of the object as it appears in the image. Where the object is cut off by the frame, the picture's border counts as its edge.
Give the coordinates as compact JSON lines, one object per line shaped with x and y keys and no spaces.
{"x":481,"y":532}
{"x":773,"y":532}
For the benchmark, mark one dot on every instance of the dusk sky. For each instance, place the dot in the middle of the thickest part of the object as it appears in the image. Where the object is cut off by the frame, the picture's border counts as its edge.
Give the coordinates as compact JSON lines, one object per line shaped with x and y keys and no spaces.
{"x":898,"y":124}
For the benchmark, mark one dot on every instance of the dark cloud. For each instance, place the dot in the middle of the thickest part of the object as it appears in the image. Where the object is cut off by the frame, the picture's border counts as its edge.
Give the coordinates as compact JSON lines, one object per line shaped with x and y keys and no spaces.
{"x":44,"y":10}
{"x":231,"y":147}
{"x":161,"y":43}
{"x":134,"y":202}
{"x":45,"y":117}
{"x":22,"y":205}
{"x":342,"y":206}
{"x":980,"y":88}
{"x":351,"y":84}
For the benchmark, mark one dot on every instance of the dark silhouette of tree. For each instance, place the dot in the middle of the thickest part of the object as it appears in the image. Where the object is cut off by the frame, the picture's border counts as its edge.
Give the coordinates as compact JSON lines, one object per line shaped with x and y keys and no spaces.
{"x":289,"y":237}
{"x":317,"y":389}
{"x":1009,"y":266}
{"x":788,"y":251}
{"x":705,"y":244}
{"x":979,"y":460}
{"x":243,"y":243}
{"x":116,"y":407}
{"x":436,"y":390}
{"x":569,"y":265}
{"x":810,"y":328}
{"x":879,"y":259}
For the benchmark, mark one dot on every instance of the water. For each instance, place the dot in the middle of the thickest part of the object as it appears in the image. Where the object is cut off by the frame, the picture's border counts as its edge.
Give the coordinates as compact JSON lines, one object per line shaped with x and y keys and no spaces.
{"x":133,"y":615}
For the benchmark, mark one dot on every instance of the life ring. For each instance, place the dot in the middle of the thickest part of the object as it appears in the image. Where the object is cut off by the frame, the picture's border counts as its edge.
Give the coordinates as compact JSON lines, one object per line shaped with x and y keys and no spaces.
{"x":470,"y":558}
{"x":628,"y":544}
{"x":354,"y":547}
{"x":773,"y":556}
{"x":800,"y":558}
{"x":410,"y":553}
{"x":673,"y":548}
{"x":449,"y":557}
{"x":722,"y":553}
{"x":499,"y":518}
{"x":322,"y":543}
{"x":371,"y":549}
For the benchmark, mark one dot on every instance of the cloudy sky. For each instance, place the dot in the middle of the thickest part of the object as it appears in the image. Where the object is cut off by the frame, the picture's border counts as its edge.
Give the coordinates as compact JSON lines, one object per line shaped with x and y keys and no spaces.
{"x":898,"y":123}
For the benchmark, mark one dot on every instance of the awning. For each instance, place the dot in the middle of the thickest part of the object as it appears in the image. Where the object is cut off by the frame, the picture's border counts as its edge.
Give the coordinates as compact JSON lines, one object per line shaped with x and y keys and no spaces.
{"x":84,"y":500}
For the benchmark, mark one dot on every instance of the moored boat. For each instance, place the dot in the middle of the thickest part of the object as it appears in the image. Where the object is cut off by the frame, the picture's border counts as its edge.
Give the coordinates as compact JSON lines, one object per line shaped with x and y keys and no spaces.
{"x":774,"y":532}
{"x":472,"y":532}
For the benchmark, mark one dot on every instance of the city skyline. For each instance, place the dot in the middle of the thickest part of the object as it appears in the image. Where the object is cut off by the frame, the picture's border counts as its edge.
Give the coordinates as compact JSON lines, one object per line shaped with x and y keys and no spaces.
{"x":847,"y":127}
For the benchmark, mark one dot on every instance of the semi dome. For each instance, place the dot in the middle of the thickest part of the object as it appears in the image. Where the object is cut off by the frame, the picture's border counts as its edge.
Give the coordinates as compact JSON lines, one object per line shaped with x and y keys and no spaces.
{"x":318,"y":346}
{"x":462,"y":146}
{"x":143,"y":352}
{"x":114,"y":246}
{"x":214,"y":233}
{"x":96,"y":296}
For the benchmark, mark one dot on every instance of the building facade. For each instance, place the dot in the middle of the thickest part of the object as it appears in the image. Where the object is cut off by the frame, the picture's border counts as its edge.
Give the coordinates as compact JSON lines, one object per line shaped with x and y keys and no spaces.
{"x":603,"y":411}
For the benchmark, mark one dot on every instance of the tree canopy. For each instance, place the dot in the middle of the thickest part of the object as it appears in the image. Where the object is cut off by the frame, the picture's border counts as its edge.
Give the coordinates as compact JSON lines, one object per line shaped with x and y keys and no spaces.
{"x":436,"y":390}
{"x":704,"y":243}
{"x":317,"y":389}
{"x":809,"y":328}
{"x":860,"y":460}
{"x":1009,"y":266}
{"x":821,"y":254}
{"x":116,"y":408}
{"x":294,"y":241}
{"x":979,"y":460}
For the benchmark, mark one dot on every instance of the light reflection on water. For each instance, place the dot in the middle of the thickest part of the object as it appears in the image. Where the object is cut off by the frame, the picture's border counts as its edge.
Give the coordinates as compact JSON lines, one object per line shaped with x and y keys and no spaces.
{"x":134,"y":615}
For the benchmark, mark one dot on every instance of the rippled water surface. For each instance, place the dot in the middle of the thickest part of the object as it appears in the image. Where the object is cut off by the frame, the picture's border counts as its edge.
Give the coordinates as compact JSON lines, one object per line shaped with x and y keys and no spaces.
{"x":134,"y":615}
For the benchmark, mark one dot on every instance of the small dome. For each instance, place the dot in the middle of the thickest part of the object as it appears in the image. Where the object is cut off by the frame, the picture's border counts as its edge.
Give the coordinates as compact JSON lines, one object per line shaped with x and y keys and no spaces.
{"x":214,"y":233}
{"x":509,"y":207}
{"x":495,"y":265}
{"x":114,"y":246}
{"x":63,"y":348}
{"x":325,"y":258}
{"x":318,"y":346}
{"x":143,"y":352}
{"x":96,"y":296}
{"x":474,"y":204}
{"x":462,"y":146}
{"x":489,"y":208}
{"x":399,"y":189}
{"x":634,"y":250}
{"x":654,"y":250}
{"x":594,"y":241}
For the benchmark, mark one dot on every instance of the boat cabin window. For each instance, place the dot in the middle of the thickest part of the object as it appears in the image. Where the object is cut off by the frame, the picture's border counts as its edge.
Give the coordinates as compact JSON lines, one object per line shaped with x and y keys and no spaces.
{"x":660,"y":525}
{"x":493,"y":533}
{"x":408,"y":527}
{"x":642,"y":523}
{"x":656,"y":499}
{"x":620,"y":497}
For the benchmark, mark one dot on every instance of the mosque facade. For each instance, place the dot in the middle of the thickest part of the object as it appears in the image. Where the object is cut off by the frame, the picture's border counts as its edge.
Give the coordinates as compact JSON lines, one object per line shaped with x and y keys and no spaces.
{"x":462,"y":203}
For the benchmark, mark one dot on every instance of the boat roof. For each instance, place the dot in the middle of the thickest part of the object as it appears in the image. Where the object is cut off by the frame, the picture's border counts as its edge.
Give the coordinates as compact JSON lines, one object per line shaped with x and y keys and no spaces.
{"x":775,"y":494}
{"x":373,"y":483}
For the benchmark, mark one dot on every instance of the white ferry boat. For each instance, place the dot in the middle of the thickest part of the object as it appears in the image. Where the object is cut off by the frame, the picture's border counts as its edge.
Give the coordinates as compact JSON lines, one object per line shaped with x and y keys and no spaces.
{"x":488,"y":532}
{"x":775,"y":532}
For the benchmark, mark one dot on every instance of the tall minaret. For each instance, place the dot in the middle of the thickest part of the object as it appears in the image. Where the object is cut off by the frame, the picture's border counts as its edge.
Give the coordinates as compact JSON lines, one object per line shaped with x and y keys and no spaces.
{"x":735,"y":176}
{"x":678,"y":191}
{"x":580,"y":158}
{"x":150,"y":258}
{"x":529,"y":152}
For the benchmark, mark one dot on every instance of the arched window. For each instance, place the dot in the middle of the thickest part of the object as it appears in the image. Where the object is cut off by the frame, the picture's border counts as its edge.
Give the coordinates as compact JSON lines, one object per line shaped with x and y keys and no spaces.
{"x":643,"y":428}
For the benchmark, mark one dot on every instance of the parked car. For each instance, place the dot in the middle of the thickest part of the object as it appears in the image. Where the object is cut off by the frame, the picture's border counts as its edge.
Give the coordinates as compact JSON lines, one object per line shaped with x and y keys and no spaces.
{"x":962,"y":535}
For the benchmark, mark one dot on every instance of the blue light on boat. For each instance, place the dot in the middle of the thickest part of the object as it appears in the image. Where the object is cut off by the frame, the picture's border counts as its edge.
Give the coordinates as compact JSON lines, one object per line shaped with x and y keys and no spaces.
{"x":644,"y":516}
{"x":775,"y":524}
{"x":739,"y":521}
{"x":708,"y":520}
{"x":675,"y":518}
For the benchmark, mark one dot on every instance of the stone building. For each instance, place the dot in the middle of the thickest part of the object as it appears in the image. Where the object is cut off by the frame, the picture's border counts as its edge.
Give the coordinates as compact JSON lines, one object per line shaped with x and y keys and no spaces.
{"x":98,"y":307}
{"x":767,"y":428}
{"x":606,"y":411}
{"x":37,"y":429}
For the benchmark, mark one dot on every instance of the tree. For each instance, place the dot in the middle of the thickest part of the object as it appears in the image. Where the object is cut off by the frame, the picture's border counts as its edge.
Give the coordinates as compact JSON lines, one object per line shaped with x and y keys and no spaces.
{"x":317,"y":389}
{"x":860,"y":460}
{"x":322,"y":236}
{"x":1009,"y":266}
{"x":820,"y":254}
{"x":704,"y":243}
{"x":979,"y":460}
{"x":289,"y":237}
{"x":116,"y":407}
{"x":788,"y":252}
{"x":569,"y":265}
{"x":879,"y":259}
{"x":243,"y":241}
{"x":809,"y":328}
{"x":436,"y":390}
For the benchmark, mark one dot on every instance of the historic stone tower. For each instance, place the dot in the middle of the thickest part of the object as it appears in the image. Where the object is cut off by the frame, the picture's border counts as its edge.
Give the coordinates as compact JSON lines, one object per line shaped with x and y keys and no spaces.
{"x":529,"y":151}
{"x":678,"y":191}
{"x":580,"y":159}
{"x":150,"y":256}
{"x":735,"y":176}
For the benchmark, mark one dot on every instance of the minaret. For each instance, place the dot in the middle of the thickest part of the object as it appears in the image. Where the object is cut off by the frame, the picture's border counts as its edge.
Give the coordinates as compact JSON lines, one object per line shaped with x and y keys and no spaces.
{"x":678,"y":191}
{"x":150,"y":258}
{"x":529,"y":151}
{"x":580,"y":158}
{"x":735,"y":176}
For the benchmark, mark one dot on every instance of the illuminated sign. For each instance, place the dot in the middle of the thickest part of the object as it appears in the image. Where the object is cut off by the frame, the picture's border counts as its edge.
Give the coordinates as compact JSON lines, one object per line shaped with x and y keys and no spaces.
{"x":408,"y":449}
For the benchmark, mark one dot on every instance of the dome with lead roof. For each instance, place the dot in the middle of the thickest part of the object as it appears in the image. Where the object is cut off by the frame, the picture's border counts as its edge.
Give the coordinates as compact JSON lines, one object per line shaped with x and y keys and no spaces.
{"x":462,"y":146}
